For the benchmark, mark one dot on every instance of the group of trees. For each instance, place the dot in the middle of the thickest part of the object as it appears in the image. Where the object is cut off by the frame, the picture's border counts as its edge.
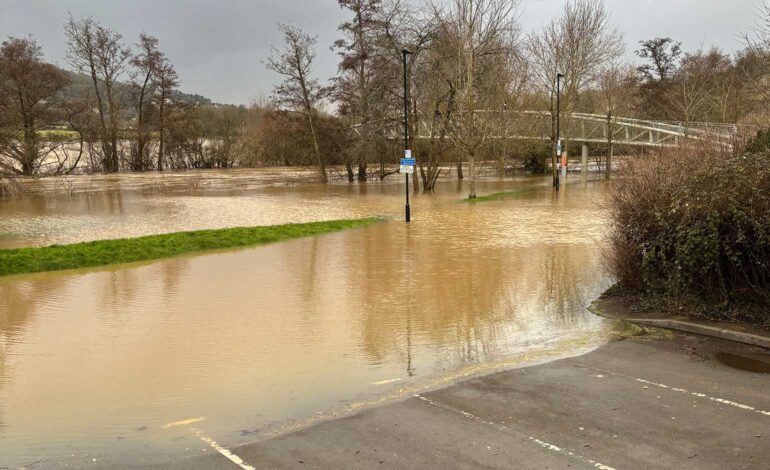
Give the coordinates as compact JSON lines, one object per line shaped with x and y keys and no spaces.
{"x":705,"y":85}
{"x":473,"y":72}
{"x":117,"y":109}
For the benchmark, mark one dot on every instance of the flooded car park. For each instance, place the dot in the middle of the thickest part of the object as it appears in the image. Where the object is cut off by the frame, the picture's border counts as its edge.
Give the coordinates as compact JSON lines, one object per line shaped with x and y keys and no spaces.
{"x":239,"y":344}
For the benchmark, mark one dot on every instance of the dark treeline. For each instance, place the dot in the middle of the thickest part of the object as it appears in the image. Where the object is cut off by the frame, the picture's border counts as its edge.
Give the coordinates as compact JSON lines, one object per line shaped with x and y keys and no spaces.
{"x":473,"y":70}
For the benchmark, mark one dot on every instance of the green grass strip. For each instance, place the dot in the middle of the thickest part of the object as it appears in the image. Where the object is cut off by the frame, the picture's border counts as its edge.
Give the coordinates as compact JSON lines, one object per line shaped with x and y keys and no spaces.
{"x":129,"y":250}
{"x":500,"y":196}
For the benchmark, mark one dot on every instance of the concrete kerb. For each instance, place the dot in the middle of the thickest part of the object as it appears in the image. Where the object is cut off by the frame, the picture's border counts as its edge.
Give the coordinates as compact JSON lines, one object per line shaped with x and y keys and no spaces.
{"x":687,"y":326}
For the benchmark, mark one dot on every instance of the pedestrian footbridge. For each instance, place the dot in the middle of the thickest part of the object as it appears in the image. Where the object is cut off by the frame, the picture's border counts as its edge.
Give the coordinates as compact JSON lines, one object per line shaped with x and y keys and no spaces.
{"x":591,"y":128}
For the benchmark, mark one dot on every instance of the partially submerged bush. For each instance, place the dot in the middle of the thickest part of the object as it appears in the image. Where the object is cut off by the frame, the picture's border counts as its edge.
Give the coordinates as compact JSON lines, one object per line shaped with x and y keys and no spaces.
{"x":8,"y":186}
{"x":694,"y":223}
{"x":760,"y":143}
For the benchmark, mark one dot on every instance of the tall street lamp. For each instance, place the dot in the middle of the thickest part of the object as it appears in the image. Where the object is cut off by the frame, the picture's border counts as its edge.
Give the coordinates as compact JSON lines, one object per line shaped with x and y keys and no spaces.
{"x":556,"y":181}
{"x":407,"y":153}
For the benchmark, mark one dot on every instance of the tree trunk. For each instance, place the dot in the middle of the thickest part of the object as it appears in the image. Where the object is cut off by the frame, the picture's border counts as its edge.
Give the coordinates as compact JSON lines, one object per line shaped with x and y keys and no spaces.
{"x":138,"y":164}
{"x":554,"y":152}
{"x":412,"y":133}
{"x":608,"y":168}
{"x":472,"y":170}
{"x":30,"y":145}
{"x":460,"y":169}
{"x":113,"y":161}
{"x":320,"y":163}
{"x":100,"y":105}
{"x":349,"y":168}
{"x":160,"y":134}
{"x":362,"y":171}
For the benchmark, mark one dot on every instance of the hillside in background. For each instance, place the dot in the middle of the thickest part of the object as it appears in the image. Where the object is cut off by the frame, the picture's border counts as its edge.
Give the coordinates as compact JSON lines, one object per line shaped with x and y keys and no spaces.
{"x":80,"y":85}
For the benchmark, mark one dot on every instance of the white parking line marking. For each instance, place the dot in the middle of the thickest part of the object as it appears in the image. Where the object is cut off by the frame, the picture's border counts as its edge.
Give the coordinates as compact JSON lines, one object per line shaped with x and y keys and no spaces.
{"x":500,"y":427}
{"x":702,"y":395}
{"x":225,"y":452}
{"x":723,"y":401}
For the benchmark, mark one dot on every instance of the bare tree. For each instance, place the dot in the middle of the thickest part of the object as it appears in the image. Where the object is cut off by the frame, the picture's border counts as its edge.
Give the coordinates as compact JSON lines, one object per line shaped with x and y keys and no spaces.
{"x":29,"y":88}
{"x":165,"y":82}
{"x":98,"y":52}
{"x":401,"y":26}
{"x":299,"y":91}
{"x":755,"y":66}
{"x":483,"y":35}
{"x":616,"y":87}
{"x":695,"y":85}
{"x":436,"y":106}
{"x":146,"y":64}
{"x":577,"y":43}
{"x":354,"y":88}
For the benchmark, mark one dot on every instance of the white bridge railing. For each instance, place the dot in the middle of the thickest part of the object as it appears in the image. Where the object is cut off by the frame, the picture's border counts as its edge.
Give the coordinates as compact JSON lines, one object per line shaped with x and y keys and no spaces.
{"x":594,"y":128}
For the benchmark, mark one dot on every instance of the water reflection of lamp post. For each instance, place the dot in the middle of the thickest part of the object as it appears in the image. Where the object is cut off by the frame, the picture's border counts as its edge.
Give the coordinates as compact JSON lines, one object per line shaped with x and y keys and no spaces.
{"x":406,"y":52}
{"x":559,"y":76}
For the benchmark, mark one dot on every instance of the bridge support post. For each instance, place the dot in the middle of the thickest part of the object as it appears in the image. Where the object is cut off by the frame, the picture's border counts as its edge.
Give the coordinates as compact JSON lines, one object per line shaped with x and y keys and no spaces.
{"x":584,"y":160}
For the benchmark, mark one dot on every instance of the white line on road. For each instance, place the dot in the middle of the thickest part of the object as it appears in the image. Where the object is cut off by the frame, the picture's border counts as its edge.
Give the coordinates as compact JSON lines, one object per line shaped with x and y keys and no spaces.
{"x":500,"y":427}
{"x":225,"y":452}
{"x":723,"y":401}
{"x":702,"y":395}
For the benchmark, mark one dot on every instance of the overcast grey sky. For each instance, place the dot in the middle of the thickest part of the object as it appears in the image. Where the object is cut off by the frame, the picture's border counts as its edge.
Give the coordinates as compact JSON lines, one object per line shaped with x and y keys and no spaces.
{"x":217,"y":45}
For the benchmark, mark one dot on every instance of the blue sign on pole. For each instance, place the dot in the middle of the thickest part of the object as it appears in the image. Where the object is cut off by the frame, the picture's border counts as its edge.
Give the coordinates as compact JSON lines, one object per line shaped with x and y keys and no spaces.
{"x":408,"y":161}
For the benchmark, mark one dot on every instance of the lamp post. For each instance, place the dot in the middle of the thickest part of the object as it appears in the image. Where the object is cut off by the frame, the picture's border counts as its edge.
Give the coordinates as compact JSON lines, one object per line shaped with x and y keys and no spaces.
{"x":406,"y":52}
{"x":559,"y":76}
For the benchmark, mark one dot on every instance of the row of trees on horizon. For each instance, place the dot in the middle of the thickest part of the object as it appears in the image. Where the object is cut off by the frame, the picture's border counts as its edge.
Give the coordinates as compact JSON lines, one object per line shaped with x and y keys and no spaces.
{"x":472,"y":70}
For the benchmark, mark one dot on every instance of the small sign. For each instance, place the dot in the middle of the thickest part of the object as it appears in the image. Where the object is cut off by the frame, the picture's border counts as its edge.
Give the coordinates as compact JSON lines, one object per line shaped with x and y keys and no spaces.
{"x":408,"y":162}
{"x":407,"y":154}
{"x":558,"y":147}
{"x":407,"y":169}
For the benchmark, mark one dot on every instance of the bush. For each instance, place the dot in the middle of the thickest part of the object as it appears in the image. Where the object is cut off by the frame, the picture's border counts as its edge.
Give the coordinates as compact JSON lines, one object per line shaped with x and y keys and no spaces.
{"x":8,"y":185}
{"x":760,"y":143}
{"x":535,"y":158}
{"x":694,"y":223}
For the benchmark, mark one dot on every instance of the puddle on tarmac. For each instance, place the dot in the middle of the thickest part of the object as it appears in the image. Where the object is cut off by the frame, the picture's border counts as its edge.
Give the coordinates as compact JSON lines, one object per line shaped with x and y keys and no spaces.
{"x":750,"y":362}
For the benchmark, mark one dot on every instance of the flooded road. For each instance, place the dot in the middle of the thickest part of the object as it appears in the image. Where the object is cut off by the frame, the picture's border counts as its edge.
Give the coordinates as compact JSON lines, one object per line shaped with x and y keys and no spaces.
{"x":138,"y":362}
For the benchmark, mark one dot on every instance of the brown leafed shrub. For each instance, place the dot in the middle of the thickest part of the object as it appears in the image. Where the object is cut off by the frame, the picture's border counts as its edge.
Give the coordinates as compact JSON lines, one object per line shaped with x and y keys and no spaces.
{"x":694,"y":222}
{"x":8,"y":185}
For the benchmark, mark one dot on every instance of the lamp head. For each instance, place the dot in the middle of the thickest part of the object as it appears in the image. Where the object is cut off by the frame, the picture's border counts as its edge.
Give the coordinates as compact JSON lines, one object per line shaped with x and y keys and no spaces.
{"x":406,"y":51}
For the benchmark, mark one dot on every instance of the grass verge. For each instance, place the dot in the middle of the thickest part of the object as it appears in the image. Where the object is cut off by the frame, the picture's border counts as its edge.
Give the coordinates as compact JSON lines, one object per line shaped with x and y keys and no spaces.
{"x":499,"y":196}
{"x":128,"y":250}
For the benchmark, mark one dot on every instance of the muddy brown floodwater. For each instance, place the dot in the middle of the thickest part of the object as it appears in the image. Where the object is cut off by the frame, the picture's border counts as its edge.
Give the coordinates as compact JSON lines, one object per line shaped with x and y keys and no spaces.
{"x":135,"y":363}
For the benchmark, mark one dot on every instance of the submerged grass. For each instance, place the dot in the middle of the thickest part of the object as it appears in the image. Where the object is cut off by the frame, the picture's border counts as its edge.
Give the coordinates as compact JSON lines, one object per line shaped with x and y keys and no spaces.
{"x":500,"y":196}
{"x":128,"y":250}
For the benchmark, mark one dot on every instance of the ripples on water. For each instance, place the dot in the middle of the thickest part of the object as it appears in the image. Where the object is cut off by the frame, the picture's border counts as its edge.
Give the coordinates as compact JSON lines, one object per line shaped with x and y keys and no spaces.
{"x":97,"y":361}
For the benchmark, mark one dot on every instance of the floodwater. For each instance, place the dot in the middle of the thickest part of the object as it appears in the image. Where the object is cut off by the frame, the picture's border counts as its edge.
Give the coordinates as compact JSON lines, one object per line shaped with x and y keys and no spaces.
{"x":136,"y":363}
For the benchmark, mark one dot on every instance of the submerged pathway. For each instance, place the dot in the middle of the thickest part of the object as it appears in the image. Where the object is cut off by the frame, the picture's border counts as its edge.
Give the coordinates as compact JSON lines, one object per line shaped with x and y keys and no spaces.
{"x":645,"y":402}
